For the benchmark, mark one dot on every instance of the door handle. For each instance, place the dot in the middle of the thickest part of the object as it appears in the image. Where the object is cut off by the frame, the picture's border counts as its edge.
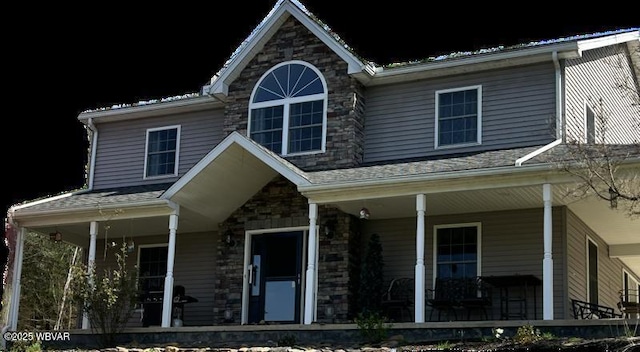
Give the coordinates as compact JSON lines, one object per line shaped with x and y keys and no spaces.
{"x":250,"y":268}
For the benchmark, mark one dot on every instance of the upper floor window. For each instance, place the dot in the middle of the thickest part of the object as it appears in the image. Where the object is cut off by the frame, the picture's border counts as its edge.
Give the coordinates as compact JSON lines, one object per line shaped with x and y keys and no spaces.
{"x":288,"y":109}
{"x":161,"y":156}
{"x":458,"y":116}
{"x":457,"y":250}
{"x":590,"y":125}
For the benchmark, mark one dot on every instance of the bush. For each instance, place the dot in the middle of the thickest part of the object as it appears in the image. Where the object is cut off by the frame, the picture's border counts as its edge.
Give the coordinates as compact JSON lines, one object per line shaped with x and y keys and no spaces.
{"x":110,"y":300}
{"x":373,"y":326}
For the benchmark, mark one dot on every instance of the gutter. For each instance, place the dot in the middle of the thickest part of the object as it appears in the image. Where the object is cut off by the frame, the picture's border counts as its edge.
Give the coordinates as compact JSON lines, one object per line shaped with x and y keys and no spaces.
{"x":94,"y":148}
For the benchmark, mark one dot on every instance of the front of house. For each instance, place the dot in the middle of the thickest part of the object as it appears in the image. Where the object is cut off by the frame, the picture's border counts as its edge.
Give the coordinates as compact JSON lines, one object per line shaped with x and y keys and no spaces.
{"x":258,"y":194}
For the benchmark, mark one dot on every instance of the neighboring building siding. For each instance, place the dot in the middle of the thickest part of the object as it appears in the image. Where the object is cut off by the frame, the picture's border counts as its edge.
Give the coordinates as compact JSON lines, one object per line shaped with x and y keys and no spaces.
{"x":518,"y":109}
{"x":194,"y":269}
{"x":513,"y":237}
{"x":609,"y":269}
{"x":595,"y":79}
{"x":121,"y":146}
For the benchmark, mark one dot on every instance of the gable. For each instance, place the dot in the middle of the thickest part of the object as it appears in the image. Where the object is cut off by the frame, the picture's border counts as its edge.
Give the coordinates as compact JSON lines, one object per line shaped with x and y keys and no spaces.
{"x":282,"y":11}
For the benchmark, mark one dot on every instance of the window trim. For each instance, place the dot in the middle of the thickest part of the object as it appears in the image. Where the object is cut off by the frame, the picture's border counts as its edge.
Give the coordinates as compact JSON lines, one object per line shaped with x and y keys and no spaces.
{"x":146,"y":152}
{"x":478,"y":121}
{"x":587,"y":138}
{"x":588,"y":270}
{"x":629,"y":282}
{"x":477,"y":225}
{"x":152,"y":245}
{"x":287,"y":102}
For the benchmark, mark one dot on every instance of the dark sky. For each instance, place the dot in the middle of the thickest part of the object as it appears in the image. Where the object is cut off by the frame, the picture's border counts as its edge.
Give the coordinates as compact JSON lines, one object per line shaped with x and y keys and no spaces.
{"x":60,"y":60}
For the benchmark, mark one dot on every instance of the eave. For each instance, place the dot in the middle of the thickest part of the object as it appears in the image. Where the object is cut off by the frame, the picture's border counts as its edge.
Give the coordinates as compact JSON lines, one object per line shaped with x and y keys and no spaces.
{"x":152,"y":110}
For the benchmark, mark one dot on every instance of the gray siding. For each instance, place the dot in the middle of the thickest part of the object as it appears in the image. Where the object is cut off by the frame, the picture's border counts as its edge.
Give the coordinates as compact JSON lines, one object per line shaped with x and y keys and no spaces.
{"x":194,"y":269}
{"x":594,"y":80}
{"x":518,"y":109}
{"x":121,"y":146}
{"x":609,"y":269}
{"x":512,"y":243}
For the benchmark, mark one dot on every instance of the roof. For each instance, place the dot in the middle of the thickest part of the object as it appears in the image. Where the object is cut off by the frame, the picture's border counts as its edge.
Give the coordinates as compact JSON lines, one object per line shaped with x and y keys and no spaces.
{"x":369,"y":71}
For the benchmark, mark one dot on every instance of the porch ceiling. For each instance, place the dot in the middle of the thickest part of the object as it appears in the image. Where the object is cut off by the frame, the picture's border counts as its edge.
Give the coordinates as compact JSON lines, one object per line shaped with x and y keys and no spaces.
{"x":619,"y":231}
{"x":224,"y":184}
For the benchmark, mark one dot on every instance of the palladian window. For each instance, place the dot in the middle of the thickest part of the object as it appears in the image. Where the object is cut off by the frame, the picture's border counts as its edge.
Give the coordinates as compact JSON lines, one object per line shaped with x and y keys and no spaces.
{"x":288,"y":109}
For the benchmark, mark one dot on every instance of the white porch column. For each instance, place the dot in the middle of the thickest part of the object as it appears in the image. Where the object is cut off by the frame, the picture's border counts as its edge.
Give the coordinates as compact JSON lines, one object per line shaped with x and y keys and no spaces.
{"x":167,"y":300}
{"x":421,"y":208}
{"x":91,"y":261}
{"x":547,"y":262}
{"x":17,"y":272}
{"x":310,"y":294}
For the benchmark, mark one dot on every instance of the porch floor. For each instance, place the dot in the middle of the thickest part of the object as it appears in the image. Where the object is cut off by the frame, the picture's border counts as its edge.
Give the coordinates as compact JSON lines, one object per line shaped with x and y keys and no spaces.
{"x":348,"y":335}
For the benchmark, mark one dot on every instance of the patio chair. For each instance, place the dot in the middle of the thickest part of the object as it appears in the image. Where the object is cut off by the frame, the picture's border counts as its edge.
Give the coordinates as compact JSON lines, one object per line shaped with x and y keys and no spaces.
{"x":628,"y":303}
{"x":476,"y":296}
{"x":587,"y":310}
{"x":445,"y":298}
{"x":397,"y":301}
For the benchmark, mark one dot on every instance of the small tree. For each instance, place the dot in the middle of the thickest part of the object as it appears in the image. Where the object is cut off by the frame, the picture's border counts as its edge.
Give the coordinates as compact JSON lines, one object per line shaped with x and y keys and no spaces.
{"x":371,"y":277}
{"x":109,"y":299}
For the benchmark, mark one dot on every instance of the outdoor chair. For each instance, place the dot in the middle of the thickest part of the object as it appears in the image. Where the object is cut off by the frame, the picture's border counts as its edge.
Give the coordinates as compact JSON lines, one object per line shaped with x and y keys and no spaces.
{"x":628,"y":303}
{"x":397,"y":301}
{"x":587,"y":310}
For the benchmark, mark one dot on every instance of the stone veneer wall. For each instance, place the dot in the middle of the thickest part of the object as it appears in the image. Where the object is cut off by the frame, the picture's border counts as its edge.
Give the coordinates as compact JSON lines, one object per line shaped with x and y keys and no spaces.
{"x":345,"y":110}
{"x":279,"y":205}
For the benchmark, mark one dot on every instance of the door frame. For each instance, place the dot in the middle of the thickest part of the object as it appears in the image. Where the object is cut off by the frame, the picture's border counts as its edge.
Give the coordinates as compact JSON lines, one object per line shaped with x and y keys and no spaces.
{"x":248,"y":236}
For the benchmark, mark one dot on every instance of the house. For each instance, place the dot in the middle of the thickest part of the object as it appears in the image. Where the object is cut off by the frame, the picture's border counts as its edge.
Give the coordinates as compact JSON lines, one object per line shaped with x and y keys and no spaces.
{"x":257,"y":194}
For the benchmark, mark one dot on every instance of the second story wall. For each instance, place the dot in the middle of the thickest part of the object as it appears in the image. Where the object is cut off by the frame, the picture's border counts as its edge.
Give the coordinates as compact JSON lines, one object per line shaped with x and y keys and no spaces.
{"x":517,"y":109}
{"x":602,"y":81}
{"x":120,"y":157}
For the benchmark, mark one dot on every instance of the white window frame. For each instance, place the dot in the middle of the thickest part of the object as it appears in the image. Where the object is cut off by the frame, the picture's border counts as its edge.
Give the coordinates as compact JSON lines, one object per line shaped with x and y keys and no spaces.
{"x":478,"y":141}
{"x":631,"y":283}
{"x":588,"y":109}
{"x":146,"y":152}
{"x":477,"y":225}
{"x":588,"y":270}
{"x":144,"y":246}
{"x":286,"y":103}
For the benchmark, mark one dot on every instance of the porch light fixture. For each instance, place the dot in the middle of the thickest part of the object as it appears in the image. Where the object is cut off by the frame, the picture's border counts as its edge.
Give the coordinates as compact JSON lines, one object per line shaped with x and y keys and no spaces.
{"x":228,"y":240}
{"x":131,"y":246}
{"x":228,"y":315}
{"x":55,"y":236}
{"x":613,"y":198}
{"x":329,"y":228}
{"x":364,"y":213}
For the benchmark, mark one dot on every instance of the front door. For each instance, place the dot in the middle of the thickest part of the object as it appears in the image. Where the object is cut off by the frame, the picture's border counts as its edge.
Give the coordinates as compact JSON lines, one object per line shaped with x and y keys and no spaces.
{"x":275,"y":277}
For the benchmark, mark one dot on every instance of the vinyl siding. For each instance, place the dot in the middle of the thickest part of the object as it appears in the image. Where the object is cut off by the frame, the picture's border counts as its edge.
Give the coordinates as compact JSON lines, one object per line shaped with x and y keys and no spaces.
{"x":511,"y":243}
{"x":121,"y":146}
{"x":609,"y":269}
{"x":518,"y":109}
{"x":596,"y":77}
{"x":193,"y":269}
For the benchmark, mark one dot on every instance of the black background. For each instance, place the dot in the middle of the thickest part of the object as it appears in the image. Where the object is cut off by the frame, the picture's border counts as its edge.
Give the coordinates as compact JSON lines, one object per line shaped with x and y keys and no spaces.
{"x":60,"y":60}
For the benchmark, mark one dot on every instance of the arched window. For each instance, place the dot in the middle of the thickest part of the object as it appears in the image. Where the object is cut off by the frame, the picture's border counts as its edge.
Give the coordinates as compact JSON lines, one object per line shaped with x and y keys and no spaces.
{"x":287,"y":113}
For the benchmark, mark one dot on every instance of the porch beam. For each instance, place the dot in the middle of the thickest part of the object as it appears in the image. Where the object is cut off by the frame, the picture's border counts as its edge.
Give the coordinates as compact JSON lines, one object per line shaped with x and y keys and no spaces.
{"x":91,"y":261}
{"x":310,"y":294}
{"x":624,"y":250}
{"x":547,"y":261}
{"x":167,"y":300}
{"x":419,"y":291}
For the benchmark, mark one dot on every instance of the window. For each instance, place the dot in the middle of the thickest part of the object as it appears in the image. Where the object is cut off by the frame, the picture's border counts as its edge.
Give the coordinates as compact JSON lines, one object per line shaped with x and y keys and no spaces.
{"x":161,"y":156}
{"x":287,"y":112}
{"x":152,"y":264}
{"x":457,"y":250}
{"x":458,"y":116}
{"x":592,"y":271}
{"x":590,"y":125}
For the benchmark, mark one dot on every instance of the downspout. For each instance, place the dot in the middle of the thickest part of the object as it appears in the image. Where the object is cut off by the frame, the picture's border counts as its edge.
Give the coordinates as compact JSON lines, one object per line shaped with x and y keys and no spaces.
{"x":559,"y":115}
{"x":94,"y":148}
